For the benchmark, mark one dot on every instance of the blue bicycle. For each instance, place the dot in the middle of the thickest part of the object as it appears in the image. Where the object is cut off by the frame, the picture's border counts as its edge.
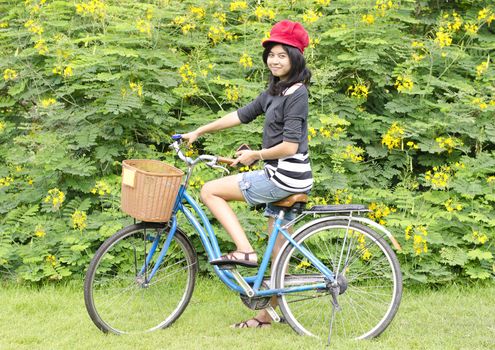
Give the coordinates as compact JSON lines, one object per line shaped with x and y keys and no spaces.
{"x":335,"y":276}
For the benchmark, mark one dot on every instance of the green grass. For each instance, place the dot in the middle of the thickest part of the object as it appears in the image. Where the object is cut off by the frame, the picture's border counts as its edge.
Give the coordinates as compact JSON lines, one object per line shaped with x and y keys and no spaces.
{"x":54,"y":317}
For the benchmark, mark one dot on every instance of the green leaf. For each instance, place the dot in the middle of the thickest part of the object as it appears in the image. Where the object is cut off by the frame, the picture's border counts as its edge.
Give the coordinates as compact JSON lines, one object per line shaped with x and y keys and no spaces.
{"x":480,"y":255}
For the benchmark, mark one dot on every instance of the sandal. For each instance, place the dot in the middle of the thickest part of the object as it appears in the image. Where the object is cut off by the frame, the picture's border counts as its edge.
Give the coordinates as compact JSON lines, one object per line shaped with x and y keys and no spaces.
{"x":231,"y":259}
{"x":245,"y":324}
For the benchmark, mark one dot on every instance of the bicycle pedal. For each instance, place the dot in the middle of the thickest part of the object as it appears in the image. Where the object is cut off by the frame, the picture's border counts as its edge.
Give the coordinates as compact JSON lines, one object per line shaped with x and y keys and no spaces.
{"x":226,"y":267}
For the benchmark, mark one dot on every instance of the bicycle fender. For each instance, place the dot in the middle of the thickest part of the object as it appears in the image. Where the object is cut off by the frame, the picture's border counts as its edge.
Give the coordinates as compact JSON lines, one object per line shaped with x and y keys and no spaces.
{"x":365,"y":221}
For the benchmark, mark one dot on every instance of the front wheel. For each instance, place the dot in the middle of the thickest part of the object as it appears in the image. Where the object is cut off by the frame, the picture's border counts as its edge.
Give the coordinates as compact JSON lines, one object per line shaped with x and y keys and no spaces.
{"x":368,"y":286}
{"x":119,"y":294}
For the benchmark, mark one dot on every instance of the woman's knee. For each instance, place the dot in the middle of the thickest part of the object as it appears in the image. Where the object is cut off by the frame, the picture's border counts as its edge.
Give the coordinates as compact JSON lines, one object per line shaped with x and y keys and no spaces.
{"x":206,"y":192}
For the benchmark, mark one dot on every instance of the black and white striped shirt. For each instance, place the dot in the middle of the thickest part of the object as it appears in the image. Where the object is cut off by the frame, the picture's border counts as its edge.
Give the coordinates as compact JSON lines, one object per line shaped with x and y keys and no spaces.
{"x":286,"y":119}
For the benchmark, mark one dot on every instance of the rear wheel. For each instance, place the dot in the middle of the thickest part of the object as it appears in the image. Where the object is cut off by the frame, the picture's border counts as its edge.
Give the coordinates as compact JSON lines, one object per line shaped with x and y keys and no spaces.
{"x":121,"y":298}
{"x":368,"y":287}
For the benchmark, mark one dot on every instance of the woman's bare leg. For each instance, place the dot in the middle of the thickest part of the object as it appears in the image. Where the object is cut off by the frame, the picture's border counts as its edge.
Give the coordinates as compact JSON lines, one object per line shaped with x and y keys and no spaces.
{"x":215,"y":195}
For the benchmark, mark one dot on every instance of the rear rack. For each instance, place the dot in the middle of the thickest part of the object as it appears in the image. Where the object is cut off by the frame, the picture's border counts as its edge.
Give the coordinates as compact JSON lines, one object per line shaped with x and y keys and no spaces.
{"x":336,"y":208}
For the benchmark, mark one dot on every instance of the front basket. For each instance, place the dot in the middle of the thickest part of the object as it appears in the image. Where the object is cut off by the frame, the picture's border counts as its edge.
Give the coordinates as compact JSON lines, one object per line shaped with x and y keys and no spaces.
{"x":149,"y":189}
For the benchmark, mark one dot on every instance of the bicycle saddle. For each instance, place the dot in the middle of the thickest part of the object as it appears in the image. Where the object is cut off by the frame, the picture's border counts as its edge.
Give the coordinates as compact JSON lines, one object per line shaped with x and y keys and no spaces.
{"x":291,"y":200}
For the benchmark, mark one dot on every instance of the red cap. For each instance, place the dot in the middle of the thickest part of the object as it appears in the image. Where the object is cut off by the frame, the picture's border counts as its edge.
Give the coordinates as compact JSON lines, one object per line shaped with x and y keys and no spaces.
{"x":289,"y":33}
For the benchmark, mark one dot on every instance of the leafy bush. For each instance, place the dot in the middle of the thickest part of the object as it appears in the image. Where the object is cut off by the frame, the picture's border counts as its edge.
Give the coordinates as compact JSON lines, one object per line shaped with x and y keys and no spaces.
{"x":402,"y":107}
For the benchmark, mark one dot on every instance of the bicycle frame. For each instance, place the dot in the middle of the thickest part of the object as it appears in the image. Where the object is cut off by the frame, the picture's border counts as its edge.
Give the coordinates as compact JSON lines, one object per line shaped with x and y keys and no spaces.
{"x":210,"y":243}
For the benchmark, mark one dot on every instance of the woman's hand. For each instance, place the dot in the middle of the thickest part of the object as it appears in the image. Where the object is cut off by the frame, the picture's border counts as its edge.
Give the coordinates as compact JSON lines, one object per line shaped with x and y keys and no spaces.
{"x":245,"y":157}
{"x":191,"y":137}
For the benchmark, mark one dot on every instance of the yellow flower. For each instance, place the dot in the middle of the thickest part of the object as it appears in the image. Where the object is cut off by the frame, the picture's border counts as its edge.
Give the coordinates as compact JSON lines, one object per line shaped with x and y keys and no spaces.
{"x":92,"y":8}
{"x":149,"y":13}
{"x":39,"y":231}
{"x":479,"y":103}
{"x":34,"y":27}
{"x":222,"y":17}
{"x":47,"y":102}
{"x":217,"y":34}
{"x":393,"y":137}
{"x":311,"y":16}
{"x":479,"y":238}
{"x":41,"y":47}
{"x":263,"y":12}
{"x":417,"y":57}
{"x":6,"y":181}
{"x":484,"y":14}
{"x":482,"y":68}
{"x":313,"y":42}
{"x":353,"y":153}
{"x":68,"y":72}
{"x":179,"y":20}
{"x":323,"y":2}
{"x":412,"y":145}
{"x":137,"y":88}
{"x":4,"y":24}
{"x":144,"y":26}
{"x":443,"y":39}
{"x":101,"y":188}
{"x":187,"y":74}
{"x":368,"y":19}
{"x":51,"y":259}
{"x":404,"y":83}
{"x":238,"y":5}
{"x":198,"y":12}
{"x":379,"y":211}
{"x":79,"y":220}
{"x":55,"y":197}
{"x":417,"y":44}
{"x":246,"y":61}
{"x":471,"y":28}
{"x":232,"y":93}
{"x":439,"y":178}
{"x":9,"y":74}
{"x":448,"y":143}
{"x":382,"y":6}
{"x":451,"y":206}
{"x":358,"y":91}
{"x":342,"y":196}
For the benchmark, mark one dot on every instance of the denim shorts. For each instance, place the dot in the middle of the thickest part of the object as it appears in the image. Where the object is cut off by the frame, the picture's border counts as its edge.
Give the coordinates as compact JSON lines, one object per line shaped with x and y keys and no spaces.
{"x":257,"y":189}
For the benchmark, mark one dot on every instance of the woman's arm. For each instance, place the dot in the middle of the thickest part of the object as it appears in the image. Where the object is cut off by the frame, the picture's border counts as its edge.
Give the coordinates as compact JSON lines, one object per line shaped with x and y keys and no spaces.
{"x":227,"y":121}
{"x":284,"y":149}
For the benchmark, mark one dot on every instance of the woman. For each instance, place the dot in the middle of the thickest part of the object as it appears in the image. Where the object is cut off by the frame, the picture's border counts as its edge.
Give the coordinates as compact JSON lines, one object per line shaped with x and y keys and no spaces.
{"x":285,"y":147}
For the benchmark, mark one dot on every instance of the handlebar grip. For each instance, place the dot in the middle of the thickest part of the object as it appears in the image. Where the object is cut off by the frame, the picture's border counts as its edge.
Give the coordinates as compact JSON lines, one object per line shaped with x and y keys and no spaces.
{"x":225,"y":160}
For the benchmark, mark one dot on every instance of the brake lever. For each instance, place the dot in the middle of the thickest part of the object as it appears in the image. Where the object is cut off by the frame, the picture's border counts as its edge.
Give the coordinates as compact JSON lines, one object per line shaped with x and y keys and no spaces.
{"x":213,"y":165}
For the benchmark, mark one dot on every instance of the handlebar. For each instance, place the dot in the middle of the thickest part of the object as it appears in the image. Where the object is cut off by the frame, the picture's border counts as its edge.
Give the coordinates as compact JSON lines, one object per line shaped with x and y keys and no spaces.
{"x":209,"y":160}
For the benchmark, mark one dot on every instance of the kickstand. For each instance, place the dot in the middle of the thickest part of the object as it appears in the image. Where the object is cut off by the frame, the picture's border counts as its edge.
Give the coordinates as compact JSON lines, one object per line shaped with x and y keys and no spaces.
{"x":335,"y":308}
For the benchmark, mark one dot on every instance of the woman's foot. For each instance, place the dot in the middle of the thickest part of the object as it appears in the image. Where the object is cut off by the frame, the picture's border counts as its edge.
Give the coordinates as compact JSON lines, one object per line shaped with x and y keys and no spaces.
{"x":247,"y":259}
{"x":252,"y":323}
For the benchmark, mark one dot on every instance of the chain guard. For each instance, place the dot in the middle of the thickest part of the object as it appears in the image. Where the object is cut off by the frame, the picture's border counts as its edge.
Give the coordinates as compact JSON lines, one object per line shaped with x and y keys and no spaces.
{"x":255,"y":303}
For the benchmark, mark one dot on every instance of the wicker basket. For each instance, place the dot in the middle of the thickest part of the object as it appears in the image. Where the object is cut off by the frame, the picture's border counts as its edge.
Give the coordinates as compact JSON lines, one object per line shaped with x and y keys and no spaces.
{"x":149,"y":189}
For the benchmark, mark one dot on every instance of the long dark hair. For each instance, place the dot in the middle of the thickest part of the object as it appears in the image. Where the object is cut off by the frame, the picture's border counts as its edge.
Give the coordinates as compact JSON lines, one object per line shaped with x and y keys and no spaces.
{"x":299,"y":73}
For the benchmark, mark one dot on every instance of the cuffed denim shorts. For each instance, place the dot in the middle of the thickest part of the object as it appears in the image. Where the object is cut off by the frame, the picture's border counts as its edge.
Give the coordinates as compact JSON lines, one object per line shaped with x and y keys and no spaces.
{"x":257,"y":189}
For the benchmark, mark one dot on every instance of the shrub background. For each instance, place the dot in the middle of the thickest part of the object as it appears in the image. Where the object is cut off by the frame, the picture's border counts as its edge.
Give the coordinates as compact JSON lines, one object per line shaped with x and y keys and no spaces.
{"x":402,"y":113}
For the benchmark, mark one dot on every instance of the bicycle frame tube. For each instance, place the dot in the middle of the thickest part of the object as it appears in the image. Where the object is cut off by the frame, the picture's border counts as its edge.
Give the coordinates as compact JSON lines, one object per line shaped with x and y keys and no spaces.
{"x":210,"y":243}
{"x":277,"y":228}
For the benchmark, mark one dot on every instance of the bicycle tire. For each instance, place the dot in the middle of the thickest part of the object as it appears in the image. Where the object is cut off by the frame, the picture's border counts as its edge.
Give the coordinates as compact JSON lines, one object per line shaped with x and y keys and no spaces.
{"x":370,"y":282}
{"x":118,"y":299}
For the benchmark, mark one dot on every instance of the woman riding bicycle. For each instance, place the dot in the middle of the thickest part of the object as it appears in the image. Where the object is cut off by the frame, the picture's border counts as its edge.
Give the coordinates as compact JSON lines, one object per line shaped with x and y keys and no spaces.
{"x":287,"y":168}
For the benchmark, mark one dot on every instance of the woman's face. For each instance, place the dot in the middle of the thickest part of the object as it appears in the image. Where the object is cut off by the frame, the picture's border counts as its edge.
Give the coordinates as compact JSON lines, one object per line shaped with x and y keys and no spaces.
{"x":278,"y":62}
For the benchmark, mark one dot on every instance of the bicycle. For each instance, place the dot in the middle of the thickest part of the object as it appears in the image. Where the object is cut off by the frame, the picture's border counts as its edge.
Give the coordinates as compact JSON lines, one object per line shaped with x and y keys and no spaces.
{"x":335,"y":274}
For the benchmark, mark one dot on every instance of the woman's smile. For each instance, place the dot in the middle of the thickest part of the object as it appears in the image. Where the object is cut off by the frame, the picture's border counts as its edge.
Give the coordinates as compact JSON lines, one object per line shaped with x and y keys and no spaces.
{"x":278,"y":62}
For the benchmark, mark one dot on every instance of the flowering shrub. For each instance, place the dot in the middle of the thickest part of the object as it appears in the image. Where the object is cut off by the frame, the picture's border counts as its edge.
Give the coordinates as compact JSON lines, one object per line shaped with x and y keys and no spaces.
{"x":402,"y":103}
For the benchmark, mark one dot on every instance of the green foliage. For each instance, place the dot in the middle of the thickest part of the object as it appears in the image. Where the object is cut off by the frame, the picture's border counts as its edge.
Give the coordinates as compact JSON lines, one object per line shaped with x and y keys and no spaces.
{"x":401,"y":114}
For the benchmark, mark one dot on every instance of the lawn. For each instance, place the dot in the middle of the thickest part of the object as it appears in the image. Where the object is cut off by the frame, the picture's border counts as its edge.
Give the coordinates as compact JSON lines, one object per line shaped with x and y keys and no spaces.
{"x":54,"y":317}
